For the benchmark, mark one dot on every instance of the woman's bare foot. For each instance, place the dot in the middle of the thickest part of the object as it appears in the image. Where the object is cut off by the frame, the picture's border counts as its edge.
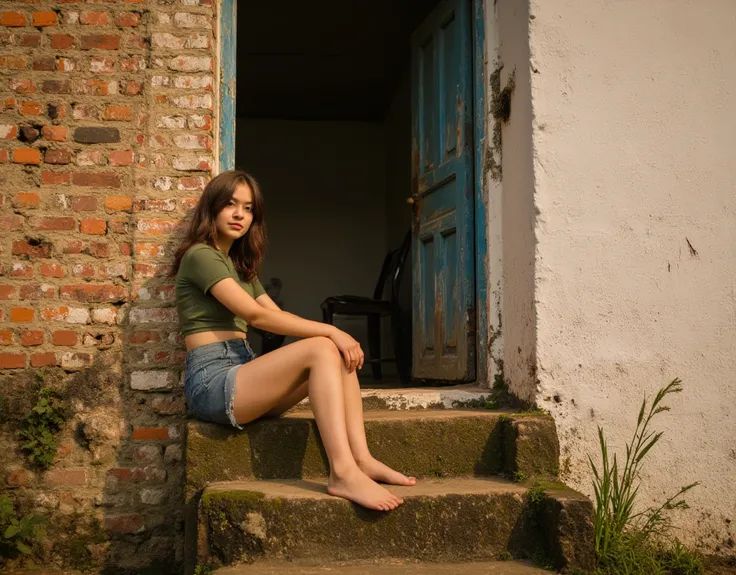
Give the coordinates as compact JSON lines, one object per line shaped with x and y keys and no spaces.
{"x":381,"y":472}
{"x":356,"y":486}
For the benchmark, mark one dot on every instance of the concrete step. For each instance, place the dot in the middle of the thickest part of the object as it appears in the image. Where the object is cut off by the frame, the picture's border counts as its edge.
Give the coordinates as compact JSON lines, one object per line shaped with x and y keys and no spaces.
{"x":427,"y":443}
{"x":393,"y":568}
{"x":458,"y":520}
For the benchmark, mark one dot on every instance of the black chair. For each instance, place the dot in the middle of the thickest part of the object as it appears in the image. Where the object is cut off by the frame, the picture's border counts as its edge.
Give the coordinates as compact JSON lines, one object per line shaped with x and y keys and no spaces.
{"x":375,"y":308}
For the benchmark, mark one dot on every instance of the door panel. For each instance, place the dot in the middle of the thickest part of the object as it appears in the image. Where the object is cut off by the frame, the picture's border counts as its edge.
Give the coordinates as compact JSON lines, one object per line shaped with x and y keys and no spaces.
{"x":442,"y":181}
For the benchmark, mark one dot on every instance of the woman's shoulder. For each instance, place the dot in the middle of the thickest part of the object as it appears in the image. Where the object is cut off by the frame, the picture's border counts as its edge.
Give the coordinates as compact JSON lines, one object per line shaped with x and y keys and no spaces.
{"x":199,"y":250}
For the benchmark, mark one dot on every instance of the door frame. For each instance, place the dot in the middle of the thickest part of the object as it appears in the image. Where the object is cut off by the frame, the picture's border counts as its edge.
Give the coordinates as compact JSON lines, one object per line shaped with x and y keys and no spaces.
{"x":226,"y":115}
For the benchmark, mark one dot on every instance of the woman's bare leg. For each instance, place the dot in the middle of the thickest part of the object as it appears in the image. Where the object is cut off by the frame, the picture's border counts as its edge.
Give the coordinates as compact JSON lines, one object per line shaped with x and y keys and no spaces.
{"x":355,"y":429}
{"x":356,"y":436}
{"x":266,"y":381}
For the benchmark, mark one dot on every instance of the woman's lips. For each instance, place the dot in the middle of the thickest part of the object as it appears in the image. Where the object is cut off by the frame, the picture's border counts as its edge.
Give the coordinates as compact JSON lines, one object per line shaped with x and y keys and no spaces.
{"x":236,"y":226}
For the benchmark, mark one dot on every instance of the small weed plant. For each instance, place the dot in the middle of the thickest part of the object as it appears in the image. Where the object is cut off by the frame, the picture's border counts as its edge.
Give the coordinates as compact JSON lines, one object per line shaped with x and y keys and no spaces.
{"x":39,"y":429}
{"x":17,"y":533}
{"x":629,"y":541}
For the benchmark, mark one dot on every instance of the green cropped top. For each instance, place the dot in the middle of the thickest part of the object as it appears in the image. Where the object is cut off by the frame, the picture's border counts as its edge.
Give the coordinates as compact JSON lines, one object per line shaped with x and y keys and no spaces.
{"x":202,"y":267}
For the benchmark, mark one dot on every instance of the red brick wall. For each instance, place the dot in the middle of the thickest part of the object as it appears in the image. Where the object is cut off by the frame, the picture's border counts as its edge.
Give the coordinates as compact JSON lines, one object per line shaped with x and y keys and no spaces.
{"x":106,"y":138}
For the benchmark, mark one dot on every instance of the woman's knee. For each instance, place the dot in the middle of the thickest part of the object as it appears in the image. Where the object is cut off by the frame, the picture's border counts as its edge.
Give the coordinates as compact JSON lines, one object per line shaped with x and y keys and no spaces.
{"x":323,"y":349}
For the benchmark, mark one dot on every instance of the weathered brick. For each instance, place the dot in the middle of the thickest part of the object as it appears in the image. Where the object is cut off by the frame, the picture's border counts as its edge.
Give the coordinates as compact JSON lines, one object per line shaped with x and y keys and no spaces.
{"x":37,"y":291}
{"x":100,"y":42}
{"x":47,"y":359}
{"x":21,"y":270}
{"x":99,"y":249}
{"x":12,"y":361}
{"x":30,"y":40}
{"x":66,"y":477}
{"x":43,"y":19}
{"x":121,"y":158}
{"x":57,"y":157}
{"x":193,"y":142}
{"x":27,"y":156}
{"x":8,"y":132}
{"x":190,"y":64}
{"x":140,"y":337}
{"x":22,"y":86}
{"x":32,"y":338}
{"x":62,"y":41}
{"x":66,"y":65}
{"x":55,"y":133}
{"x":6,"y":337}
{"x":151,"y":205}
{"x":167,"y":405}
{"x":104,"y":315}
{"x":97,"y":180}
{"x":151,"y":433}
{"x":118,"y":203}
{"x":64,"y":337}
{"x":101,"y":65}
{"x":31,"y":249}
{"x":4,"y":157}
{"x":83,"y":203}
{"x":55,"y":223}
{"x":93,"y":18}
{"x":193,"y":82}
{"x":10,"y":223}
{"x":74,"y":360}
{"x":97,"y":87}
{"x":7,"y":292}
{"x":44,"y":64}
{"x":121,"y":113}
{"x":151,"y":380}
{"x":189,"y":20}
{"x":193,"y":102}
{"x":16,"y":19}
{"x":93,"y":227}
{"x":55,"y":178}
{"x":90,"y":293}
{"x":57,"y":86}
{"x":127,"y":19}
{"x":96,"y":135}
{"x":130,"y":523}
{"x":133,"y":88}
{"x":31,"y":108}
{"x":192,"y":163}
{"x":52,"y":270}
{"x":21,"y":314}
{"x":83,"y":270}
{"x":87,"y":158}
{"x":56,"y":111}
{"x":13,"y":62}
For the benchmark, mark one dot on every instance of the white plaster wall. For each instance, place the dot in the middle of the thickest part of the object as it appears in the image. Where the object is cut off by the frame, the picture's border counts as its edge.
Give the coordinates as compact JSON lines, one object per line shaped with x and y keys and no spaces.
{"x":634,"y":137}
{"x":514,"y":201}
{"x":324,"y":185}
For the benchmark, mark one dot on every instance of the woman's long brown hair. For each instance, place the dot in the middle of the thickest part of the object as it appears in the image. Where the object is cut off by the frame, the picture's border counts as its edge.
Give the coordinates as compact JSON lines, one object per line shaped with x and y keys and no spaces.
{"x":246,"y":252}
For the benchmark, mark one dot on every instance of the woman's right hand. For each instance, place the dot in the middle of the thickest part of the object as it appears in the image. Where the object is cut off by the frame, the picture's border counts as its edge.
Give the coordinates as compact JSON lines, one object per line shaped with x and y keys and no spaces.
{"x":349,"y":348}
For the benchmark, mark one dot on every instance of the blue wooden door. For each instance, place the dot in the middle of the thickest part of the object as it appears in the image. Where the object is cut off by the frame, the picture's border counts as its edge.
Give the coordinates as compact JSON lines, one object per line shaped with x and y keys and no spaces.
{"x":443,"y":195}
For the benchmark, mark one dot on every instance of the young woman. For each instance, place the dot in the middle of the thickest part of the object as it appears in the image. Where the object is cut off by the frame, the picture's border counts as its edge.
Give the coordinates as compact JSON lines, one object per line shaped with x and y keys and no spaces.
{"x":218,"y":294}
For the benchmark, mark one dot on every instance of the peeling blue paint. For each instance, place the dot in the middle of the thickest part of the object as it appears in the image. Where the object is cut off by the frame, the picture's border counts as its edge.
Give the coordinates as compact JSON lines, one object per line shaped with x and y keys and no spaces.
{"x":228,"y":47}
{"x":481,"y":208}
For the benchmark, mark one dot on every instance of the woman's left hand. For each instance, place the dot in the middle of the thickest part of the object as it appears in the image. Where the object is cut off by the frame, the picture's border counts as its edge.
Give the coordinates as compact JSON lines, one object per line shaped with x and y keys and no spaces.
{"x":349,"y":348}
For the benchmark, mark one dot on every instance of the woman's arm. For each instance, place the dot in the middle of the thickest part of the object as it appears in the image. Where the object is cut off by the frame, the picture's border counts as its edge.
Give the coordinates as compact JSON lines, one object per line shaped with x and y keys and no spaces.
{"x":265,"y":314}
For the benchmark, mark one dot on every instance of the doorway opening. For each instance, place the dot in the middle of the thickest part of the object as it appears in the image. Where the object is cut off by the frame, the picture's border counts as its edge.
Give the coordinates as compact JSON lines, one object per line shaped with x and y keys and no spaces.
{"x":324,"y":122}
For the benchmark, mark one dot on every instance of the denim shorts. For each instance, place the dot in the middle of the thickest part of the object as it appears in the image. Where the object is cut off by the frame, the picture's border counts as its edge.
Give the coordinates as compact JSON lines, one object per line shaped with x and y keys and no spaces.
{"x":209,"y":381}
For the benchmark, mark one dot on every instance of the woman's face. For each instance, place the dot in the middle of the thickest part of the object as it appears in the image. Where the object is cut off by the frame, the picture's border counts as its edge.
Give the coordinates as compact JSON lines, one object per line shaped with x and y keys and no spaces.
{"x":235,"y":218}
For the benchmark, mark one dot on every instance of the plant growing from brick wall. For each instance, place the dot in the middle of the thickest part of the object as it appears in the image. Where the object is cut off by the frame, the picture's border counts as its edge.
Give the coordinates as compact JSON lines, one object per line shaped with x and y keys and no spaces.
{"x":17,"y":534}
{"x":39,"y":429}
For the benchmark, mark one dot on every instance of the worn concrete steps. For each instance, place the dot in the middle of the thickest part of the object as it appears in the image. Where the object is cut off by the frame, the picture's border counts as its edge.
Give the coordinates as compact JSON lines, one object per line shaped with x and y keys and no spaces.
{"x":392,"y":568}
{"x":458,"y":519}
{"x":427,"y":443}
